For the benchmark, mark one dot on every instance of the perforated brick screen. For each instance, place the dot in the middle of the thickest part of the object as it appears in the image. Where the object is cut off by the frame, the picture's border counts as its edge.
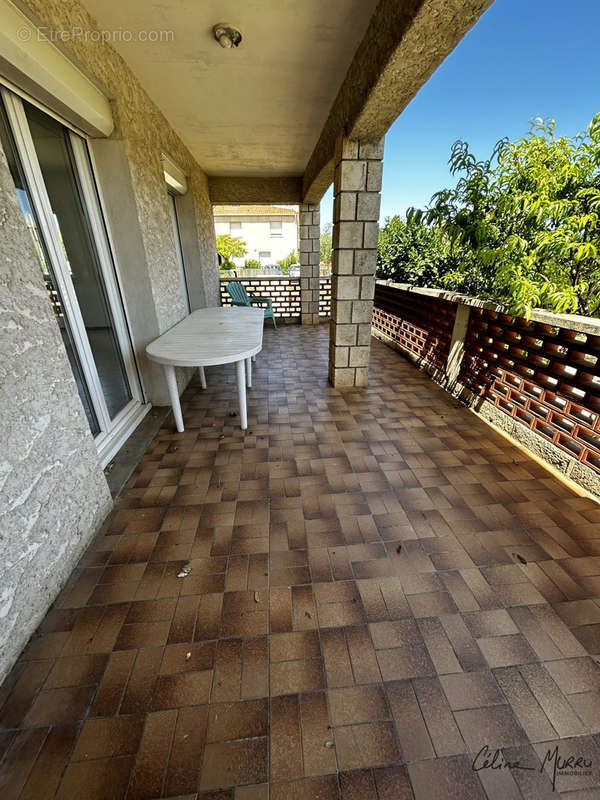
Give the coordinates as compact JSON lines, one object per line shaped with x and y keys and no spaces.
{"x":284,"y":292}
{"x":419,"y":323}
{"x":545,"y":377}
{"x":325,"y":297}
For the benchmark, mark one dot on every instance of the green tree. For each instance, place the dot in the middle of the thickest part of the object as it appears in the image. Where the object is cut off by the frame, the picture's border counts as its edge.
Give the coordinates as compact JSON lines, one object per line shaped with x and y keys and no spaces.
{"x":410,"y":252}
{"x":326,"y":245}
{"x":527,"y":219}
{"x":286,"y":263}
{"x":230,"y":247}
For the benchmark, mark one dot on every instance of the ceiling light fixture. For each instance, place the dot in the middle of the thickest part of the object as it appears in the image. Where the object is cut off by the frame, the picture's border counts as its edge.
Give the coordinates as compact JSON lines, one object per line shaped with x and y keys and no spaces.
{"x":226,"y":35}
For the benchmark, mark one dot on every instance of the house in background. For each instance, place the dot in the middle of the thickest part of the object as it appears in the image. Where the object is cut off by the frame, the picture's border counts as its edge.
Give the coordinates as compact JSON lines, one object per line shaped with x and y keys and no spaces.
{"x":270,"y":232}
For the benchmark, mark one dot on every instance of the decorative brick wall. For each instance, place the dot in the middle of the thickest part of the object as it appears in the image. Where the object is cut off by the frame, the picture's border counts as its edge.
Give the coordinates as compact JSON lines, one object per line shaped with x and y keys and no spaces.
{"x":544,"y":376}
{"x":538,"y":380}
{"x":284,"y":292}
{"x":324,"y":298}
{"x":418,"y":323}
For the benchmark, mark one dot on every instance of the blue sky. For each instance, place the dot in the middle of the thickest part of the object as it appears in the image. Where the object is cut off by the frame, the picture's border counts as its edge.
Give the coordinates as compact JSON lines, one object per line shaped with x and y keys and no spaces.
{"x":523,"y":59}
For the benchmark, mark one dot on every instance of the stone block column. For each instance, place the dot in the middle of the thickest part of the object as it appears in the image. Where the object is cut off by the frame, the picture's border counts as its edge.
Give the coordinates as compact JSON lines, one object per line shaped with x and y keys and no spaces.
{"x":310,"y":256}
{"x":357,"y":196}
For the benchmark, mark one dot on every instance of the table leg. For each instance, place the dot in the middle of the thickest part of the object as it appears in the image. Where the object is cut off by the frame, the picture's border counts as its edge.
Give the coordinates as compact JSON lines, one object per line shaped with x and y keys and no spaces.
{"x":202,"y":377}
{"x":249,"y":372}
{"x":241,"y":384}
{"x":174,"y":395}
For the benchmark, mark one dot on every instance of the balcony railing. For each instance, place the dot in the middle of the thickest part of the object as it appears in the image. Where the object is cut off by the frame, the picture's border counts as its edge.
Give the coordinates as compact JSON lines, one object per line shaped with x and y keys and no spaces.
{"x":537,"y":379}
{"x":285,"y":294}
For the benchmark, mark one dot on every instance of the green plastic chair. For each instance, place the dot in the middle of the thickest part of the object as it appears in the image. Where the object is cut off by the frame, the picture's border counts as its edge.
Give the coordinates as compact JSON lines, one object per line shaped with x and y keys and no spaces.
{"x":240,"y":297}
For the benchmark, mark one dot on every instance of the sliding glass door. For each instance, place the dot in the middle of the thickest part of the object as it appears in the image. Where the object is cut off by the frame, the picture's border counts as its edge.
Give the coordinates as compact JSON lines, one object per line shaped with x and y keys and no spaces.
{"x":57,"y":194}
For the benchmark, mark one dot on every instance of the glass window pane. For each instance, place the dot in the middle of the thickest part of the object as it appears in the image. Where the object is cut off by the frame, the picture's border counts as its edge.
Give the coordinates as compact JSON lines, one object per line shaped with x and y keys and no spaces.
{"x":55,"y":157}
{"x":46,"y":268}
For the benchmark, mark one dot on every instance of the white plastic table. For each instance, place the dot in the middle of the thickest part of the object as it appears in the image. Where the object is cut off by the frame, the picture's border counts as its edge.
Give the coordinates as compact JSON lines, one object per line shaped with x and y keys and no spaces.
{"x":208,"y":337}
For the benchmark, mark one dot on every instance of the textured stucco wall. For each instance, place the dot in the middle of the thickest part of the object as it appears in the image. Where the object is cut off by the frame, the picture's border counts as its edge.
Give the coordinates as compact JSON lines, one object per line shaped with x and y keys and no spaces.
{"x":53,"y":494}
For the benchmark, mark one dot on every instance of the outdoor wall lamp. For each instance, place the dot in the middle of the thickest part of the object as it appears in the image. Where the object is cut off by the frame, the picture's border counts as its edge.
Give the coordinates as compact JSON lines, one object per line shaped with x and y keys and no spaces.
{"x":226,"y":35}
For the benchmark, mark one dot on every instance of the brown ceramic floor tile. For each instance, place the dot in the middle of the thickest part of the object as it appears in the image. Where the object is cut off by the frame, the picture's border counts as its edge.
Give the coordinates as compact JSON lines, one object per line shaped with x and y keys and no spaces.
{"x":153,"y":754}
{"x":140,"y":686}
{"x":355,"y":564}
{"x":393,"y":783}
{"x":47,"y":771}
{"x":438,"y":646}
{"x":357,"y":704}
{"x":524,"y":704}
{"x":228,"y":671}
{"x":76,"y":671}
{"x":451,"y":778}
{"x":369,"y":745}
{"x":104,"y":779}
{"x":291,"y":677}
{"x":431,"y":604}
{"x":234,"y":763}
{"x":285,"y":738}
{"x":495,"y":726}
{"x":307,"y":789}
{"x":318,"y":754}
{"x":240,"y":720}
{"x":413,"y":736}
{"x":187,"y":658}
{"x":471,"y":690}
{"x":183,"y":689}
{"x":551,"y":699}
{"x":358,"y":785}
{"x":58,"y":706}
{"x":504,"y":651}
{"x":20,"y":759}
{"x":294,"y":645}
{"x":116,"y":675}
{"x":186,"y":751}
{"x":363,"y":658}
{"x":441,"y":725}
{"x":108,"y":737}
{"x":497,"y":622}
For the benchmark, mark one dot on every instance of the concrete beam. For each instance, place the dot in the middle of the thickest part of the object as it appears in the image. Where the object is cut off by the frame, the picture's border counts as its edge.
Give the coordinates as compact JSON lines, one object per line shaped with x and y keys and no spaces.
{"x":404,"y":44}
{"x":225,"y":190}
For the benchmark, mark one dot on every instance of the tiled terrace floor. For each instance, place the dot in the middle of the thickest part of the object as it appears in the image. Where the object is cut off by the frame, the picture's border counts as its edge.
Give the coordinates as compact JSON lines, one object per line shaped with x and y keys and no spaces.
{"x":358,"y":621}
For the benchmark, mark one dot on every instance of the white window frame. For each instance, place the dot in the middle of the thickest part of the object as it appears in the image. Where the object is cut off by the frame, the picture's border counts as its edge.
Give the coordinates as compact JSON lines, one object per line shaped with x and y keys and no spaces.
{"x":238,"y":229}
{"x":276,"y":233}
{"x":113,"y":432}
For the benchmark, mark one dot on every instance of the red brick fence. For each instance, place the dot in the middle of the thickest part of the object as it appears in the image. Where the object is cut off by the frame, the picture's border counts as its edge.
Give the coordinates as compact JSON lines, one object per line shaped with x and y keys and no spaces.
{"x":537,"y":379}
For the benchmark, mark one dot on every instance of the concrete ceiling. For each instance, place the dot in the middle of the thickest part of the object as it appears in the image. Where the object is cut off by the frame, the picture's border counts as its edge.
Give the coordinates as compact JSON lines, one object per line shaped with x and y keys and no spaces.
{"x":257,"y":110}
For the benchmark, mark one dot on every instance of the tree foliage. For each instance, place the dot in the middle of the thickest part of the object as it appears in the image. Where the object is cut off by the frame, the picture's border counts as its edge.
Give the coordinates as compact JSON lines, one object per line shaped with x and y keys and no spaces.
{"x":230,"y":247}
{"x":411,"y":252}
{"x":286,"y":263}
{"x":521,"y":227}
{"x":326,"y":245}
{"x":527,"y":219}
